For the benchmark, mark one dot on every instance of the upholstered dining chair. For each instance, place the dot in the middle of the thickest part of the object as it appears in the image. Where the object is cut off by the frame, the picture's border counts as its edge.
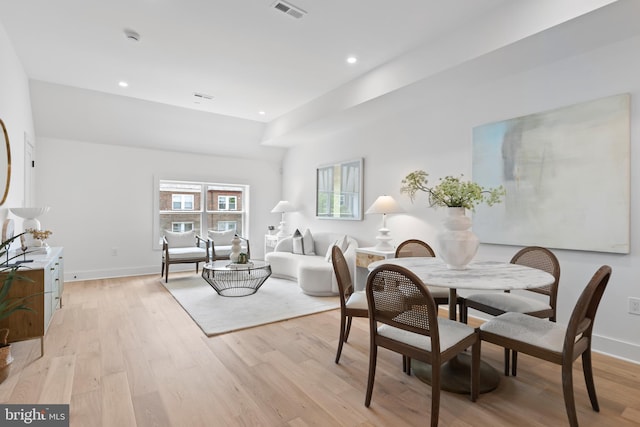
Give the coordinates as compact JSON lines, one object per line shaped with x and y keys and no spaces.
{"x":182,"y":248}
{"x":352,"y":303}
{"x":419,"y":248}
{"x":501,"y":302}
{"x":411,"y":327}
{"x":554,"y":343}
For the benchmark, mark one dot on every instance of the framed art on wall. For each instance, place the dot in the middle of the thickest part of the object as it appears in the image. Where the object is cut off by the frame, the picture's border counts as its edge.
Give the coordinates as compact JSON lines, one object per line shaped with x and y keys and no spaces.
{"x":567,"y":177}
{"x":339,"y":190}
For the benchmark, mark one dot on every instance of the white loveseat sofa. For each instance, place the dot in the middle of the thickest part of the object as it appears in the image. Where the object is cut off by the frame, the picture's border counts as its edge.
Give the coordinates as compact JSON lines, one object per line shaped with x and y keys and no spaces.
{"x":314,"y":273}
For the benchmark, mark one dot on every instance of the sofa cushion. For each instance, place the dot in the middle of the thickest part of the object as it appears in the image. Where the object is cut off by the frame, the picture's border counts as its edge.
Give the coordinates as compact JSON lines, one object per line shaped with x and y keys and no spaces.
{"x":298,"y":247}
{"x":180,"y":239}
{"x":307,"y":243}
{"x":342,"y":243}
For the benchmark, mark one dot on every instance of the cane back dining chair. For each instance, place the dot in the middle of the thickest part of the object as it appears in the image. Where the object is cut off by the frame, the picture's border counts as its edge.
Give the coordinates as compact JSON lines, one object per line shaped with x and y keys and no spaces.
{"x":411,"y":327}
{"x":554,"y":343}
{"x":501,"y":302}
{"x":419,"y":248}
{"x":182,"y":248}
{"x":352,"y":303}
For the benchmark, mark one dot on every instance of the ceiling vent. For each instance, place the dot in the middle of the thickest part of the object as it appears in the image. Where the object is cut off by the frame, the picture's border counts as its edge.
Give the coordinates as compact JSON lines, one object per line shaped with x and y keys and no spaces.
{"x":200,"y":97}
{"x":289,"y":9}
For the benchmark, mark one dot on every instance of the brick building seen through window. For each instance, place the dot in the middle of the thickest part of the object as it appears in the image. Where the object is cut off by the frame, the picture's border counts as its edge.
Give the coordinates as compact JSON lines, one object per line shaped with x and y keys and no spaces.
{"x":180,"y":206}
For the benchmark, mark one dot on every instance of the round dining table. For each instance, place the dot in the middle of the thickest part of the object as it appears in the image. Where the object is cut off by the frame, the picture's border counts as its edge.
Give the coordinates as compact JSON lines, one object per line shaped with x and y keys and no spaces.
{"x":478,"y":276}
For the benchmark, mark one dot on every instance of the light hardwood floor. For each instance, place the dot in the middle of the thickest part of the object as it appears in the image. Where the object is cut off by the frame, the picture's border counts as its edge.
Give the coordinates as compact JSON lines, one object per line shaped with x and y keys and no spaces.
{"x":122,"y":353}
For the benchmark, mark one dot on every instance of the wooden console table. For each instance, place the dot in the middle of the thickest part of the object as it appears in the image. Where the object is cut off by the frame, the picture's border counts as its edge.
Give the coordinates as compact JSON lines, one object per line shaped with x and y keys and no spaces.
{"x":46,"y":278}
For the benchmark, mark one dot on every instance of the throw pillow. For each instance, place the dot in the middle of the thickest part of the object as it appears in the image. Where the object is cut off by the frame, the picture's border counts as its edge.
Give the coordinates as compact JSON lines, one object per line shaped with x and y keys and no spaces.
{"x":307,"y":243}
{"x":298,"y":247}
{"x":222,"y":238}
{"x":343,"y":243}
{"x":327,"y":256}
{"x":180,"y":239}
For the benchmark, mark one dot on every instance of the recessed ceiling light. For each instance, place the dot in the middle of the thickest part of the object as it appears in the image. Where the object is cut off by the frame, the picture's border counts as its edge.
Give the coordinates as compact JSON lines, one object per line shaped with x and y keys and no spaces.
{"x":352,"y":60}
{"x":262,"y":113}
{"x":123,"y":84}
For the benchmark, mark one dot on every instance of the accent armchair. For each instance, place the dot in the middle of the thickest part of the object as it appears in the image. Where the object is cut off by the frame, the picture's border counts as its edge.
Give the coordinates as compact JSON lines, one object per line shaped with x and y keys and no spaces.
{"x":183,"y":248}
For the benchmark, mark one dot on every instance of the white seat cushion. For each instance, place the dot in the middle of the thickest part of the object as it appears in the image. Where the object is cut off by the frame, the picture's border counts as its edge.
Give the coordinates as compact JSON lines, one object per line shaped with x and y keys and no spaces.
{"x":509,"y":302}
{"x":358,"y":300}
{"x":186,"y":253}
{"x":451,"y":333}
{"x":527,"y":329}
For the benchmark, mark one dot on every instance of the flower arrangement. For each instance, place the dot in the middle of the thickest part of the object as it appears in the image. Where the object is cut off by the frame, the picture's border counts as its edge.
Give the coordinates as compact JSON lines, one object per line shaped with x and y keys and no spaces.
{"x":452,"y":191}
{"x":41,"y":235}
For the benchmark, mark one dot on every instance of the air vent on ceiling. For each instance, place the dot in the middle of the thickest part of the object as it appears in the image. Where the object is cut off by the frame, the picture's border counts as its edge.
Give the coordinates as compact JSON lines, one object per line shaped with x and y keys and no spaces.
{"x":289,"y":9}
{"x":201,"y":97}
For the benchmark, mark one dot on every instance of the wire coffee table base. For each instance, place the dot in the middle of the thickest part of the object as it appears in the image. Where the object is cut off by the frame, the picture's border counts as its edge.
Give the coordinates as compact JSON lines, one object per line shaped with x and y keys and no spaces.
{"x":231,"y":280}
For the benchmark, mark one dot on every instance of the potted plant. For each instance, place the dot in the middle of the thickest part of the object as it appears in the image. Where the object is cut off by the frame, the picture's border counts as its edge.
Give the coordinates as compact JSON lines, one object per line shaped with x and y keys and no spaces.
{"x":452,"y":192}
{"x":8,"y":304}
{"x":457,"y":244}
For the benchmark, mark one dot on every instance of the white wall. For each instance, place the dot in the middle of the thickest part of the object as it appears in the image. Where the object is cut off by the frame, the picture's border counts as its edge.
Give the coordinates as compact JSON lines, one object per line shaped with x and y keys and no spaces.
{"x":15,"y":112}
{"x":101,"y":197}
{"x":431,"y":130}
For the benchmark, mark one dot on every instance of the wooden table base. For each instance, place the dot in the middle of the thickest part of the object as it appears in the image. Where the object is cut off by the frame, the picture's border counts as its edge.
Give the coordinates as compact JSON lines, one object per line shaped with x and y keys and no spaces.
{"x":456,"y":375}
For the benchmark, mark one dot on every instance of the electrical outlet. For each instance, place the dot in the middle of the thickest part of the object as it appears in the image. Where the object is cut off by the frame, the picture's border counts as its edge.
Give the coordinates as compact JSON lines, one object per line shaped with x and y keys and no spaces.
{"x":634,"y":305}
{"x":114,"y":251}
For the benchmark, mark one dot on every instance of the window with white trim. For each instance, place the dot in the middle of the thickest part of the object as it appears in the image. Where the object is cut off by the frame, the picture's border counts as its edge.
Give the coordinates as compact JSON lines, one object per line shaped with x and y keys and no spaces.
{"x":227,"y":203}
{"x":181,"y":226}
{"x":200,"y":206}
{"x":182,"y":202}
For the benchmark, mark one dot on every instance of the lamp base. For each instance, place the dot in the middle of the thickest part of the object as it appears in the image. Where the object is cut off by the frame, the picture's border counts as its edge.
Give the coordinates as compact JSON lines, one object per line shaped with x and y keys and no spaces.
{"x":282,"y":230}
{"x":383,"y":239}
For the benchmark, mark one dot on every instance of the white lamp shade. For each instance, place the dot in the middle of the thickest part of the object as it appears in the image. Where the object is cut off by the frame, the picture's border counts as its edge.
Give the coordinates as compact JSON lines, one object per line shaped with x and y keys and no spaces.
{"x":384,"y":205}
{"x":282,"y":207}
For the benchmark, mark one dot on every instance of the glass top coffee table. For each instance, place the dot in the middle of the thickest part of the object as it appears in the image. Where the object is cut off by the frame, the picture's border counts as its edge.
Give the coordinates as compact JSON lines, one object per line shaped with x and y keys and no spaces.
{"x":236,"y":280}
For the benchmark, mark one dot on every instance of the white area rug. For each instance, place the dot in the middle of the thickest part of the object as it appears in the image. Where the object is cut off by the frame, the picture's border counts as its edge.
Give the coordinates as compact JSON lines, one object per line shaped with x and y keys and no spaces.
{"x":276,"y":300}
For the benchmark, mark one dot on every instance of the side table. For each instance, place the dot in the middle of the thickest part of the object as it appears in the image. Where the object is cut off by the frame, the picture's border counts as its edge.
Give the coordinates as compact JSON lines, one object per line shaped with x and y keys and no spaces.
{"x":364,"y":257}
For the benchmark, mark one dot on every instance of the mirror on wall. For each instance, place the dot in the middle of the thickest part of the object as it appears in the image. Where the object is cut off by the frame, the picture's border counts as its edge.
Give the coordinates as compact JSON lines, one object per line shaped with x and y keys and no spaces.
{"x":5,"y":164}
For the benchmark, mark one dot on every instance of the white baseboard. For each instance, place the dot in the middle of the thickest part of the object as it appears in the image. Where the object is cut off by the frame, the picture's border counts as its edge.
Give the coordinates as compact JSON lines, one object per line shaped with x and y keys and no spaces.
{"x":74,"y":276}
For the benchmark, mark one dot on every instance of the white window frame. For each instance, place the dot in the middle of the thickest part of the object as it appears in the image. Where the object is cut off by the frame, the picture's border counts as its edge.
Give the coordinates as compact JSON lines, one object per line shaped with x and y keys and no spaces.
{"x":182,"y":225}
{"x":184,"y":199}
{"x":245,"y":212}
{"x":226,"y":201}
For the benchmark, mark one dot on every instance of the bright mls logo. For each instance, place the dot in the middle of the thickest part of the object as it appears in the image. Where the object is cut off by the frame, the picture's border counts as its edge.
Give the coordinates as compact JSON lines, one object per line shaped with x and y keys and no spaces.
{"x":34,"y":415}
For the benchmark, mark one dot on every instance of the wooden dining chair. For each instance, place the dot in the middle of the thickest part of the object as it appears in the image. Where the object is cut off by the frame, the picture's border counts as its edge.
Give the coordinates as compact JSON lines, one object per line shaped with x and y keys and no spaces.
{"x":352,"y":303}
{"x":554,"y":343}
{"x":497,"y":303}
{"x":412,"y":328}
{"x":419,"y":248}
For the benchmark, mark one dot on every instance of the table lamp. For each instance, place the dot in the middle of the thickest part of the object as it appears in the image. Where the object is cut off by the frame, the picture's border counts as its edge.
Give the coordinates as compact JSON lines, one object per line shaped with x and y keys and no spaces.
{"x":282,"y":207}
{"x":384,"y":205}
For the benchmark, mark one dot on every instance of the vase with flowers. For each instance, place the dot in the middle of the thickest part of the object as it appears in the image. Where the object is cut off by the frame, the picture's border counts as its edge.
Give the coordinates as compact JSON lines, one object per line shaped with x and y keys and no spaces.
{"x":40,"y":236}
{"x":457,"y":243}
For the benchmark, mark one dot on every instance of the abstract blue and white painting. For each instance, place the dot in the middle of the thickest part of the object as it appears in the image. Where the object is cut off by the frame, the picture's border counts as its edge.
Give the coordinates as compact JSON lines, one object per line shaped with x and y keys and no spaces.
{"x":567,"y":177}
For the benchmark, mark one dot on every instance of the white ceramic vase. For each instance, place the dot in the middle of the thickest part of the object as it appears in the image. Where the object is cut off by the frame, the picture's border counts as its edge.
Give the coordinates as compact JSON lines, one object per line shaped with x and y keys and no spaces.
{"x":235,"y":249}
{"x":458,"y":245}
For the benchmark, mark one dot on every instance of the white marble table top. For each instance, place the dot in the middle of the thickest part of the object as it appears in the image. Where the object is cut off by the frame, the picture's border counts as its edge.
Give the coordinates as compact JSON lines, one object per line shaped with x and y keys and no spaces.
{"x":478,"y":275}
